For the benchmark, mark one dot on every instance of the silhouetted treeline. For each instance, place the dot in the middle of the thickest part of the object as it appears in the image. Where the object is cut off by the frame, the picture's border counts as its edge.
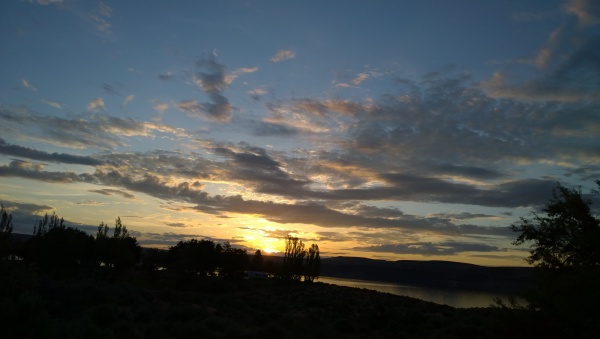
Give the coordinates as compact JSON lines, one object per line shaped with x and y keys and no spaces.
{"x":204,"y":258}
{"x":60,"y":250}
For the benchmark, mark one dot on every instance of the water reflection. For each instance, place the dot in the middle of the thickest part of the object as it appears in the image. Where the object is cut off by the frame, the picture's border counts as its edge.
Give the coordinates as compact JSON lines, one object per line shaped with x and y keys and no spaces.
{"x":454,"y":298}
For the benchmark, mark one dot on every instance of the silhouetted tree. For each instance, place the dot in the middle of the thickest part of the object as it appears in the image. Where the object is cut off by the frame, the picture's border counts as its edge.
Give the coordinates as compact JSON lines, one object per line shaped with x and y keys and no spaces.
{"x":121,"y":251}
{"x":313,"y":264}
{"x":102,"y":245}
{"x":257,"y":261}
{"x":293,"y":259}
{"x":125,"y":248}
{"x":58,"y":249}
{"x":565,"y":249}
{"x":567,"y":235}
{"x":47,"y":223}
{"x":6,"y":228}
{"x":193,"y":256}
{"x":154,"y":259}
{"x":232,"y":261}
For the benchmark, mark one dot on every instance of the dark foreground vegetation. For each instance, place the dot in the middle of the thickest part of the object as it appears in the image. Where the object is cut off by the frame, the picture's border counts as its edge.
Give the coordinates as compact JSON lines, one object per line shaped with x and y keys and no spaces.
{"x":63,"y":283}
{"x":163,"y":305}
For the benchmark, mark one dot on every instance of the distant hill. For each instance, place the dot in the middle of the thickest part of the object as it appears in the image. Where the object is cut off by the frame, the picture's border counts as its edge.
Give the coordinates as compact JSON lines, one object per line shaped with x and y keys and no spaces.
{"x":440,"y":274}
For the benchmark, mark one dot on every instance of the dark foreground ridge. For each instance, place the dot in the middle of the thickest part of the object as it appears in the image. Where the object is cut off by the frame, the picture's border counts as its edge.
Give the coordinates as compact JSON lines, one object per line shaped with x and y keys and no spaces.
{"x":160,"y":305}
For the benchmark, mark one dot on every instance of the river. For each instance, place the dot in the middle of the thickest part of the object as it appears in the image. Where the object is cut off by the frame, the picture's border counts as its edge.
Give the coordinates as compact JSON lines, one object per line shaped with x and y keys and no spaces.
{"x":454,"y":298}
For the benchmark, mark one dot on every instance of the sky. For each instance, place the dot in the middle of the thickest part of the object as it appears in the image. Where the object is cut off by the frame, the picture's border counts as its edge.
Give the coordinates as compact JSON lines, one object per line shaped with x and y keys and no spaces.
{"x":381,"y":129}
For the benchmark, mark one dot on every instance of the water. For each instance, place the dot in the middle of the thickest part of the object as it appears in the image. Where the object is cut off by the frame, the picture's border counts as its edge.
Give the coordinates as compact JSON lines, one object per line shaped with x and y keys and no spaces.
{"x":454,"y":298}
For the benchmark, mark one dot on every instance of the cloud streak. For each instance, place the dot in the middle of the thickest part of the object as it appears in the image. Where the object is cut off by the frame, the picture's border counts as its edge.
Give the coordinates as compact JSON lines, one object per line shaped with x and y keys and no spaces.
{"x":85,"y":131}
{"x":432,"y":249}
{"x":25,"y":152}
{"x":283,"y":55}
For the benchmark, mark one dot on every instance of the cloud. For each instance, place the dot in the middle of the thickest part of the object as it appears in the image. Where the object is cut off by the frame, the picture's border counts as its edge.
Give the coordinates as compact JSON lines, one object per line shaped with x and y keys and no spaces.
{"x":465,"y":171}
{"x":110,"y":89}
{"x":27,"y":85}
{"x":25,"y":215}
{"x":52,"y":103}
{"x":257,"y":93}
{"x":566,"y":67}
{"x":360,"y":78}
{"x":29,"y":170}
{"x":229,"y":78}
{"x":192,"y":107}
{"x":101,"y":16}
{"x":82,"y":131}
{"x":17,"y":207}
{"x":465,"y":216}
{"x":473,"y":127}
{"x":162,"y":107}
{"x":376,"y":150}
{"x":267,"y":176}
{"x":161,"y":240}
{"x":166,"y":76}
{"x":257,"y":169}
{"x":48,"y":2}
{"x":274,"y":129}
{"x":25,"y":152}
{"x":431,"y":248}
{"x":213,"y":80}
{"x":128,"y":99}
{"x":294,"y":117}
{"x":108,"y":192}
{"x":97,"y":103}
{"x":176,"y":224}
{"x":354,"y":81}
{"x":283,"y":55}
{"x":587,"y":11}
{"x":404,"y":187}
{"x":89,"y":203}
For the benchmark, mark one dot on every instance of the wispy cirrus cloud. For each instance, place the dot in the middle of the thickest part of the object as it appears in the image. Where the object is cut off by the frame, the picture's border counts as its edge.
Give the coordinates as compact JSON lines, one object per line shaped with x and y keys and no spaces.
{"x":28,"y":86}
{"x":283,"y":55}
{"x":52,"y":103}
{"x":354,"y":82}
{"x":101,"y":17}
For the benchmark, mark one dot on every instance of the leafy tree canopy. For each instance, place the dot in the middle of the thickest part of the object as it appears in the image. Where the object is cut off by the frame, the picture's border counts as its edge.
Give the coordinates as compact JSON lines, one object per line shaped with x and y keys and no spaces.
{"x":566,"y":234}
